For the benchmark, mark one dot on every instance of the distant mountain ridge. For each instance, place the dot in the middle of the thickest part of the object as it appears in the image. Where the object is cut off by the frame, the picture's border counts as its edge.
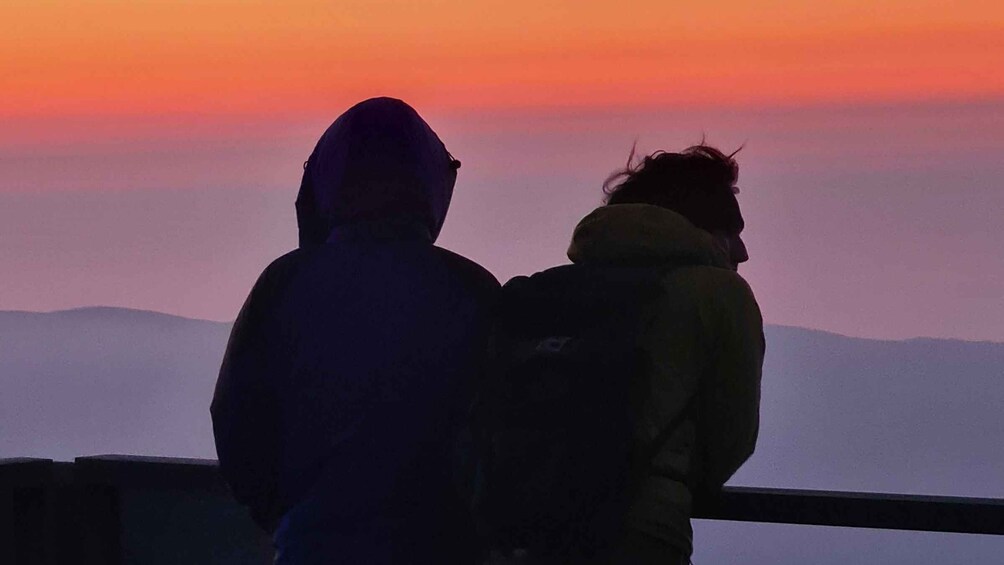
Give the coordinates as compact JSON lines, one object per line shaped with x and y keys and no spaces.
{"x":134,"y":313}
{"x":838,"y":413}
{"x":95,"y":312}
{"x":107,"y":379}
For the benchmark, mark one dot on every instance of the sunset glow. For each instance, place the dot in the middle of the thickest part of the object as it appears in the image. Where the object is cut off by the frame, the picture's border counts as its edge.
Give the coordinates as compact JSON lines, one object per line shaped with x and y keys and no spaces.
{"x":150,"y":151}
{"x":127,"y":58}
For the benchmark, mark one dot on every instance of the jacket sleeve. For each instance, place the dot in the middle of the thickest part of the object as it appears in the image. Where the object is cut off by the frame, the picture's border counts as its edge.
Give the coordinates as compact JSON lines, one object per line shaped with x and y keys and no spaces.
{"x":730,"y":389}
{"x":244,"y":410}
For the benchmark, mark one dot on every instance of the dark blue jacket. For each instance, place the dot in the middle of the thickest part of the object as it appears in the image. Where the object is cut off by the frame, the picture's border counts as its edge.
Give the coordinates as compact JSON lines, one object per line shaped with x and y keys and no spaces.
{"x":354,"y":358}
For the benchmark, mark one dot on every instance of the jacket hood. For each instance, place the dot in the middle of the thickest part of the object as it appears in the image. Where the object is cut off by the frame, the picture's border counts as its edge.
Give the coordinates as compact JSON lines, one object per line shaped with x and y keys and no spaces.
{"x":378,"y":169}
{"x":642,"y":233}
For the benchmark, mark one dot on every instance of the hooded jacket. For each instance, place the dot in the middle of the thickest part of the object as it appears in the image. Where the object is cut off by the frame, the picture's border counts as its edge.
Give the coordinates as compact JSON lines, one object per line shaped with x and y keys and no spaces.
{"x":704,"y":342}
{"x":352,"y":361}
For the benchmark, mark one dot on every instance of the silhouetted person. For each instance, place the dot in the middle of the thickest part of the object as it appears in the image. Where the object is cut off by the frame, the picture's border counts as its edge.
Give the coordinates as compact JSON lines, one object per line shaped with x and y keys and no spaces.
{"x":706,"y":334}
{"x":351,"y":364}
{"x":630,"y":380}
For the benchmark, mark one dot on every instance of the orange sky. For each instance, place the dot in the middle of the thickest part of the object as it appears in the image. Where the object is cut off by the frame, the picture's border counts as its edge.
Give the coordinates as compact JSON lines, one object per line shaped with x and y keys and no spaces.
{"x":227,"y":57}
{"x":150,"y":150}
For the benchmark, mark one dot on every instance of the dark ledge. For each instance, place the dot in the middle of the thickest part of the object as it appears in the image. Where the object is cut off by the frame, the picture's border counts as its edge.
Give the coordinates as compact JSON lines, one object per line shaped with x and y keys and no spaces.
{"x":767,"y":505}
{"x":134,"y":471}
{"x":856,"y":510}
{"x":25,"y":471}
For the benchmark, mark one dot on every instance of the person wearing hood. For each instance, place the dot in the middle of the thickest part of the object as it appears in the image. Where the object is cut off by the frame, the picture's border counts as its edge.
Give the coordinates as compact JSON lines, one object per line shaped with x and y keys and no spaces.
{"x":352,"y":361}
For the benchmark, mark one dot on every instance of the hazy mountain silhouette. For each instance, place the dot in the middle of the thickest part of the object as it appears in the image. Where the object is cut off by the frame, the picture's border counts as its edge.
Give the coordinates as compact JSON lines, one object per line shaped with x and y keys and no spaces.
{"x":920,"y":415}
{"x":107,"y":380}
{"x":839,"y":413}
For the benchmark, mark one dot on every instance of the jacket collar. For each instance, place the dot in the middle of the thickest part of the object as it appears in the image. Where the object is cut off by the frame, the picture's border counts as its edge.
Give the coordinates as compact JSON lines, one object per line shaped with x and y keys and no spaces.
{"x":642,"y":233}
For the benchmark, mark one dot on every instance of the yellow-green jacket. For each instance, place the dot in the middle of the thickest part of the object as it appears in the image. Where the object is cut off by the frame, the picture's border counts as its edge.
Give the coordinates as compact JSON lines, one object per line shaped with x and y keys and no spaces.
{"x":703,"y":337}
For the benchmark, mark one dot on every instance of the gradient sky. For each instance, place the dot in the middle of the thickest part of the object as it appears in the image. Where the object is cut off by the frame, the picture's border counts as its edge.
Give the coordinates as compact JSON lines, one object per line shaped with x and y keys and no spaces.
{"x":150,"y":151}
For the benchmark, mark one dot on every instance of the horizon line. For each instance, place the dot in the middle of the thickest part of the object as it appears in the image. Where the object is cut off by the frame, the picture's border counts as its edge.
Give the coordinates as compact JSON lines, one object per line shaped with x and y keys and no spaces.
{"x":126,"y":309}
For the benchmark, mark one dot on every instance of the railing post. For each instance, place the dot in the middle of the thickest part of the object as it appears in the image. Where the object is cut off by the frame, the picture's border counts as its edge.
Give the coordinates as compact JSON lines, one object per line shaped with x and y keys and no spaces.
{"x":98,"y":524}
{"x":156,"y":510}
{"x":25,"y":532}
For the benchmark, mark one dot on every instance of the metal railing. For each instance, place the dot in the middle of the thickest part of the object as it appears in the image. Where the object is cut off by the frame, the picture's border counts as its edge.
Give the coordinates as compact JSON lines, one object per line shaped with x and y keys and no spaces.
{"x":122,"y":509}
{"x":116,"y":509}
{"x":856,"y":510}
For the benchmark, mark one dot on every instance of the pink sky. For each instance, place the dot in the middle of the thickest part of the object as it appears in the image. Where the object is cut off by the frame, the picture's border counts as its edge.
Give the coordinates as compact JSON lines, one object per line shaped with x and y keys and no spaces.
{"x":150,"y":151}
{"x":869,"y":220}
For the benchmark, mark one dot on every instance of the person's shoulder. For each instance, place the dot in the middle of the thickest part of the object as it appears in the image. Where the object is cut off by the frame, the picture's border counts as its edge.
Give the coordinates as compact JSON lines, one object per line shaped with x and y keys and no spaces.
{"x":468,"y":271}
{"x":721,"y":298}
{"x":716,"y":291}
{"x":282,"y":266}
{"x":286,"y":261}
{"x":278,"y":273}
{"x":712,"y":279}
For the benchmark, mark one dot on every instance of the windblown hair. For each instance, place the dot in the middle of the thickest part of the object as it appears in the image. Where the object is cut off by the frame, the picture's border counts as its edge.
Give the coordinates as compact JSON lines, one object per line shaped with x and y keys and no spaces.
{"x":698,"y":183}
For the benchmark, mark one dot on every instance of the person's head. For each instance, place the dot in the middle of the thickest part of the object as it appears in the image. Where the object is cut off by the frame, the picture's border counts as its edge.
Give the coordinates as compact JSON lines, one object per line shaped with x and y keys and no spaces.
{"x":379,"y":164}
{"x":699,"y":183}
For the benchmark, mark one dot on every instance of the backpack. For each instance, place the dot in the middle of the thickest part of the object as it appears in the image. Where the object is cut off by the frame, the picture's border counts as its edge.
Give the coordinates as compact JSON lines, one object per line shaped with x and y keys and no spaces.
{"x":556,"y":463}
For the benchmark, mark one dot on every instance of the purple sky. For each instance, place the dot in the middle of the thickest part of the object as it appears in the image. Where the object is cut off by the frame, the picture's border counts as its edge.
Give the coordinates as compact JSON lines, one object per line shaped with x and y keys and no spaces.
{"x":872,"y":221}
